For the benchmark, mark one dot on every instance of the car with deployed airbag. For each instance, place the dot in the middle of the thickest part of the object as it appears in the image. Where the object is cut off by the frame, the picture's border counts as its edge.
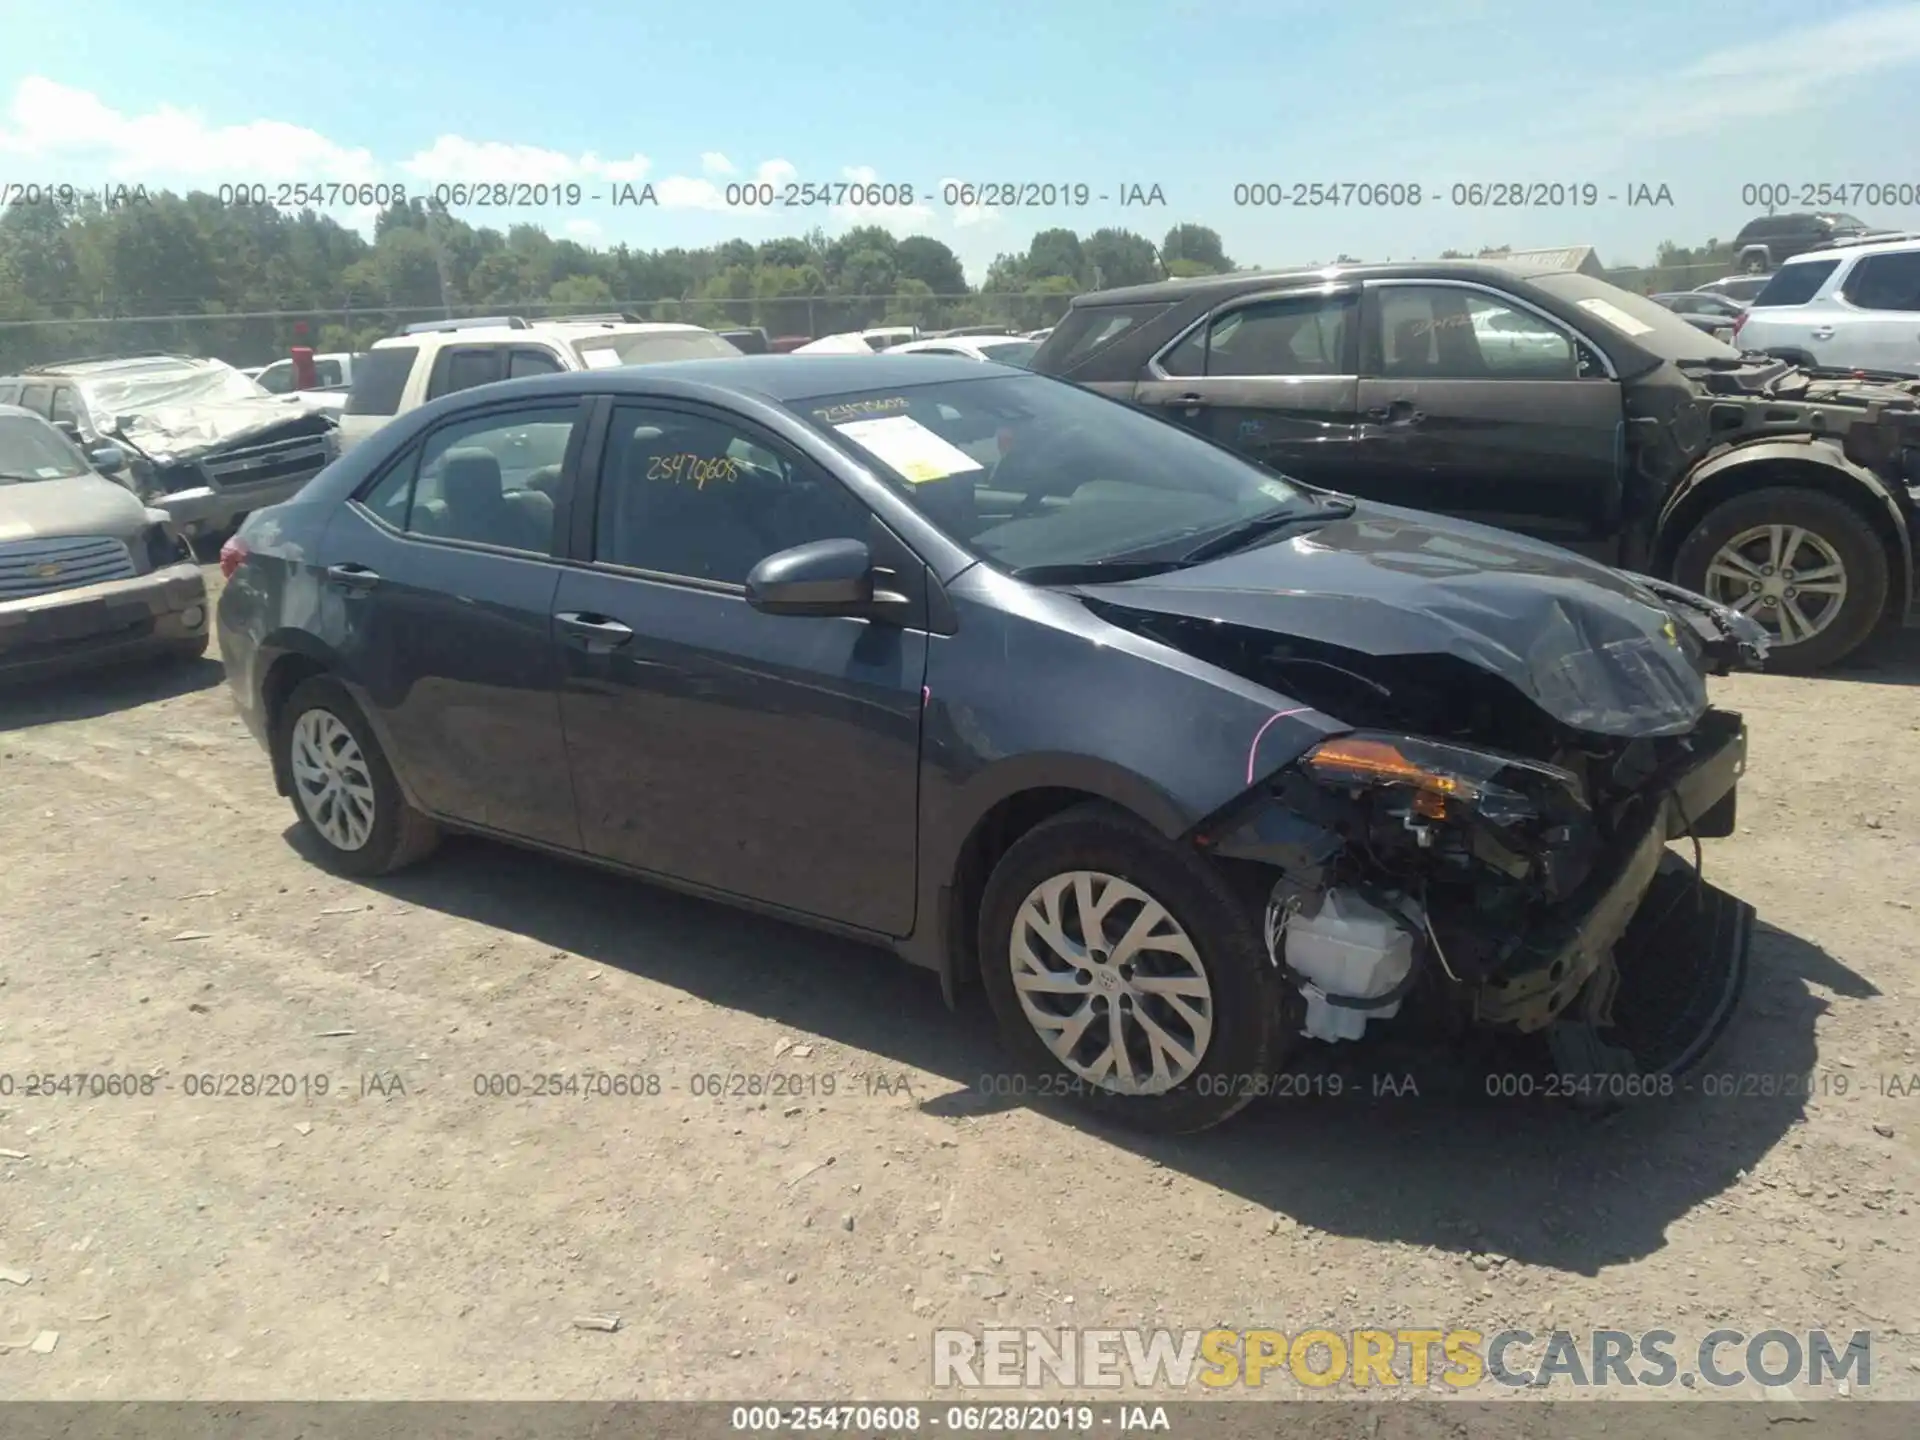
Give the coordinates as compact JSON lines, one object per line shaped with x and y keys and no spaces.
{"x":1185,"y":762}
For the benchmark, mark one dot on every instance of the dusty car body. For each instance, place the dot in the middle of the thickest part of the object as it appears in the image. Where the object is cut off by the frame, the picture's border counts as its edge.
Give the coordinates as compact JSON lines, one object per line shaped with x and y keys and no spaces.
{"x":88,"y":575}
{"x":206,"y":444}
{"x":1547,"y":402}
{"x":1182,"y":761}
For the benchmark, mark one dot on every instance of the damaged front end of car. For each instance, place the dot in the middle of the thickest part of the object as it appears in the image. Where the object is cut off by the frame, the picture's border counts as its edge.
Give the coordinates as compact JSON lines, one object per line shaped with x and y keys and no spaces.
{"x":1466,"y":866}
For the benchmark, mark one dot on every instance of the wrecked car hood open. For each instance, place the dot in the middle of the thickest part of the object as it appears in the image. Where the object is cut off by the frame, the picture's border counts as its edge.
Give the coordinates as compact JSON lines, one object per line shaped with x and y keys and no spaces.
{"x":1592,"y":648}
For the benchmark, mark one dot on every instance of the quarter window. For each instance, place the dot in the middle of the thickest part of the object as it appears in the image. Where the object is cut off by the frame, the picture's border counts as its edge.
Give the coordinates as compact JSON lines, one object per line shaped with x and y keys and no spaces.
{"x":695,"y":495}
{"x":1449,"y":333}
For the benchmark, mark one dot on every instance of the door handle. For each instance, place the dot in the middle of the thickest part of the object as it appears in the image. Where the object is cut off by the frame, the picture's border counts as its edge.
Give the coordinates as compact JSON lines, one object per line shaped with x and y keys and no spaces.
{"x":595,"y":634}
{"x":1824,"y":332}
{"x":1192,"y":402}
{"x":352,"y":577}
{"x":1400,"y":412}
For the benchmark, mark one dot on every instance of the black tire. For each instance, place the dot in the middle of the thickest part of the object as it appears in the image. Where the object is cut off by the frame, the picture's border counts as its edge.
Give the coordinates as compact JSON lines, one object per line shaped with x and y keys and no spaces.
{"x":1835,"y":522}
{"x":400,"y":834}
{"x":1246,"y":991}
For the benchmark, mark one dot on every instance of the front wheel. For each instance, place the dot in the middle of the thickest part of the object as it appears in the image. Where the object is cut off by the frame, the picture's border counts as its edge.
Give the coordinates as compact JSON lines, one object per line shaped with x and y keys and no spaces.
{"x":1125,"y":972}
{"x":1804,"y":565}
{"x":344,"y":792}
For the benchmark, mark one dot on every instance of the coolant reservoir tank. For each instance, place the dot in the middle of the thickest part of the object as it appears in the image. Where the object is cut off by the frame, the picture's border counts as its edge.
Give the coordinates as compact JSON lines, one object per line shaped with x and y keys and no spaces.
{"x":1349,"y":947}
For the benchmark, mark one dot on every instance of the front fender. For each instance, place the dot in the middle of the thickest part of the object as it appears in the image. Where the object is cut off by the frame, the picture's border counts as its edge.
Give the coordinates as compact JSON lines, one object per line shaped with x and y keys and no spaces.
{"x":1719,"y":477}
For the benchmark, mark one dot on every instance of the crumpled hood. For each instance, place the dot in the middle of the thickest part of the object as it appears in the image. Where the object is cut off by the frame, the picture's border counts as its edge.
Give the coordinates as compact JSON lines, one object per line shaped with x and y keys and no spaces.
{"x":1591,"y":647}
{"x":77,"y":505}
{"x":181,"y":431}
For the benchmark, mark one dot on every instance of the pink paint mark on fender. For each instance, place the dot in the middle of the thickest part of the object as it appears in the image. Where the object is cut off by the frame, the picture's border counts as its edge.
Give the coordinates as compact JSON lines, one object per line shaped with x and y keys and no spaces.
{"x":1258,"y":735}
{"x":926,"y":696}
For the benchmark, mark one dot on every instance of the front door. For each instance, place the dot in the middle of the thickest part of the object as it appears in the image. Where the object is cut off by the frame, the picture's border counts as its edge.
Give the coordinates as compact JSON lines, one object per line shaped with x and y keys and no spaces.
{"x":441,"y":579}
{"x":1479,"y":406}
{"x":1273,"y":377}
{"x":767,"y":756}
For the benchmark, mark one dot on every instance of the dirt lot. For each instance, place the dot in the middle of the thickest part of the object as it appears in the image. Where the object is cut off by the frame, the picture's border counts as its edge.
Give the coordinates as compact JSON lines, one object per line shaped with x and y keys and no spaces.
{"x":405,"y":1236}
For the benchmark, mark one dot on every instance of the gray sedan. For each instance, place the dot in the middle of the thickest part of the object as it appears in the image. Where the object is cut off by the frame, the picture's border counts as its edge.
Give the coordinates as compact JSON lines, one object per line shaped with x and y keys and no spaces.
{"x":88,"y":574}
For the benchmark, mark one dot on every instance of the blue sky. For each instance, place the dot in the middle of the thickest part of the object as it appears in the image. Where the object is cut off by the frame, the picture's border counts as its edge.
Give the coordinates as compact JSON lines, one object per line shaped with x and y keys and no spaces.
{"x":1191,"y":95}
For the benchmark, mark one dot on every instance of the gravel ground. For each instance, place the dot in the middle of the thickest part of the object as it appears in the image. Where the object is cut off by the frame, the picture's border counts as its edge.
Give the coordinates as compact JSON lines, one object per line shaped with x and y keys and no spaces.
{"x":405,"y":1236}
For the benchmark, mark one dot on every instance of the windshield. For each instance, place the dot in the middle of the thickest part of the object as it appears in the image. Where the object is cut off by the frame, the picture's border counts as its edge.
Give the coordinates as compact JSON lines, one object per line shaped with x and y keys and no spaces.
{"x":652,"y":347}
{"x":1029,"y":472}
{"x":1009,"y":352}
{"x":1638,"y":318}
{"x":31,"y":449}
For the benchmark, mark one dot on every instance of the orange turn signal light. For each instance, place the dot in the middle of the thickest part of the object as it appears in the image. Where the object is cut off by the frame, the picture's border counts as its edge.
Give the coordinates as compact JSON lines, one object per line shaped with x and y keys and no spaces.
{"x":1377,"y":762}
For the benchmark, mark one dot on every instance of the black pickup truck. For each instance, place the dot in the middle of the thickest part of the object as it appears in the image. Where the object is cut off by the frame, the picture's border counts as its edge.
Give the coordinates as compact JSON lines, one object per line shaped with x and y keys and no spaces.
{"x":1549,"y":402}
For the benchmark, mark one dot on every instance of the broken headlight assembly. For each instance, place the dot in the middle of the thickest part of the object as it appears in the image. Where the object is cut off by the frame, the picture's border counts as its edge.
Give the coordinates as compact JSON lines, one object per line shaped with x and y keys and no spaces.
{"x":1427,"y":783}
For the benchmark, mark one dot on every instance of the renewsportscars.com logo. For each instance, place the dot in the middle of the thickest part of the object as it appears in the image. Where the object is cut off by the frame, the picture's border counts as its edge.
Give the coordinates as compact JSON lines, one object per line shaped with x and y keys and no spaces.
{"x":1382,"y":1359}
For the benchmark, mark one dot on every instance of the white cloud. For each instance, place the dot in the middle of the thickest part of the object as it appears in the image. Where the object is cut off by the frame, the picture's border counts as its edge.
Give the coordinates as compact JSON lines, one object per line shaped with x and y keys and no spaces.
{"x":49,"y":123}
{"x":714,"y":163}
{"x":686,"y":192}
{"x":895,"y":219}
{"x":585,"y":231}
{"x":453,"y":158}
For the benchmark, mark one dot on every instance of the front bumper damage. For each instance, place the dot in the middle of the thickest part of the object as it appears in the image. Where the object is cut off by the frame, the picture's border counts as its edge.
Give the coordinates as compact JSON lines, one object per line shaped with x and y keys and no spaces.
{"x":1620,"y":957}
{"x":99,"y":625}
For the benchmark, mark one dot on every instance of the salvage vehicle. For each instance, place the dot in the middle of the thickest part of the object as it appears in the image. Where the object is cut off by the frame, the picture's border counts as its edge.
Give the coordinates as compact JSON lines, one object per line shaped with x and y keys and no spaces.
{"x":1182,"y":760}
{"x":1715,"y":314}
{"x":1738,"y":288}
{"x":1617,"y":429}
{"x":206,"y":444}
{"x":88,"y":575}
{"x":1843,"y":307}
{"x":442,"y":357}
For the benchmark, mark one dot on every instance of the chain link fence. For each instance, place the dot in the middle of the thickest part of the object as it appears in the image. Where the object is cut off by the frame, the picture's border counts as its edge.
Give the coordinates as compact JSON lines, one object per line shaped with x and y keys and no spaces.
{"x":259,"y":337}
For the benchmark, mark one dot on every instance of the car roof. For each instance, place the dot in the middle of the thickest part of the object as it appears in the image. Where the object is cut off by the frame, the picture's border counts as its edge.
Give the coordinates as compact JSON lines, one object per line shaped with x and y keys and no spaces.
{"x":12,"y":410}
{"x":780,"y":379}
{"x":1895,"y":245}
{"x":559,"y":329}
{"x":1235,"y":282}
{"x":78,"y":369}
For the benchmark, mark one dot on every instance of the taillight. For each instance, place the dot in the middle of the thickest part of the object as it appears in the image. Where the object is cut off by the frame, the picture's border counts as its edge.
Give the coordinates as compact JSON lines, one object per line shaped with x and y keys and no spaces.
{"x":231,"y":555}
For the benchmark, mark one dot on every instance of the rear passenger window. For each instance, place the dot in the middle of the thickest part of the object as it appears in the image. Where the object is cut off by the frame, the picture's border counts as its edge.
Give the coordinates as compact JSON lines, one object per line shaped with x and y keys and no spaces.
{"x":380,"y":380}
{"x":491,"y":480}
{"x":531,"y":362}
{"x":1885,"y":282}
{"x":463,"y":369}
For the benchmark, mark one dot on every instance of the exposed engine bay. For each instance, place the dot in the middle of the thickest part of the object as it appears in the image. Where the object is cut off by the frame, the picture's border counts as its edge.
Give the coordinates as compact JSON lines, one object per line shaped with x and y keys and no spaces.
{"x":1463,"y":857}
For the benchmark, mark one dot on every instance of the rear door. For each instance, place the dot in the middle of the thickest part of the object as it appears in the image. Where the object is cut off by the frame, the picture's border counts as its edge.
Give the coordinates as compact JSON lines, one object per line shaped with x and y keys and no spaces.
{"x":1884,"y":293}
{"x":439,"y":580}
{"x":1795,"y":315}
{"x":1274,"y":376}
{"x":1477,"y":404}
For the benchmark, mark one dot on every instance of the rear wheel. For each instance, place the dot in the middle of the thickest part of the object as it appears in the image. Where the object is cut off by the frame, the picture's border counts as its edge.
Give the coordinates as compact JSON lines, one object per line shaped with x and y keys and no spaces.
{"x":1125,"y":971}
{"x":344,"y":792}
{"x":1806,"y":566}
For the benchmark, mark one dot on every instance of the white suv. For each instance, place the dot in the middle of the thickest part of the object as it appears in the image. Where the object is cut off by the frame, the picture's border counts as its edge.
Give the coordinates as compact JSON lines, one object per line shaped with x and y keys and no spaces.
{"x":1848,"y":306}
{"x":427,"y":361}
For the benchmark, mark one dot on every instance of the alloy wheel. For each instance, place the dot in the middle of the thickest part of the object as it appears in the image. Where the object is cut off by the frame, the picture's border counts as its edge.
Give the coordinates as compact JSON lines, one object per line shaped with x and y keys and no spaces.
{"x":331,"y":777}
{"x":1111,"y":983}
{"x":1783,"y":576}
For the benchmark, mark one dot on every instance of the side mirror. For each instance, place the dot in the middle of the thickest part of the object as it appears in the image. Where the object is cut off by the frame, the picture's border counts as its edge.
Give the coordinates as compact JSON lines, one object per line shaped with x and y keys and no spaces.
{"x":825,"y":577}
{"x":108,"y":459}
{"x":124,"y":423}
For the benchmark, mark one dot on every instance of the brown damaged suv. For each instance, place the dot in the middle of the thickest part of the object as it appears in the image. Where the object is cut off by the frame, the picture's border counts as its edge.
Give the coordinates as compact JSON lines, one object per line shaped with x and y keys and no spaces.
{"x":1547,"y":402}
